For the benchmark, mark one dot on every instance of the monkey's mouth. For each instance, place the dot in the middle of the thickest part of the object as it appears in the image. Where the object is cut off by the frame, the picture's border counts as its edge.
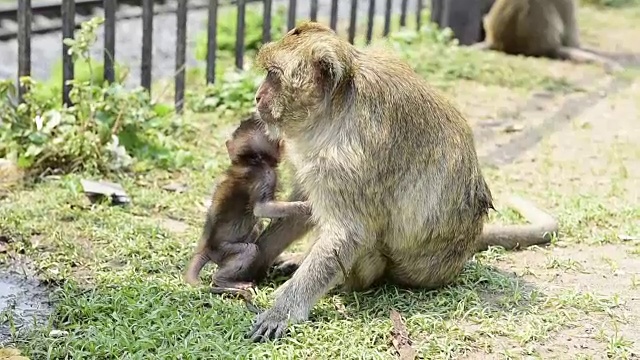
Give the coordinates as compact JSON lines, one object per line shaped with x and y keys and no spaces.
{"x":266,"y":116}
{"x":270,"y":126}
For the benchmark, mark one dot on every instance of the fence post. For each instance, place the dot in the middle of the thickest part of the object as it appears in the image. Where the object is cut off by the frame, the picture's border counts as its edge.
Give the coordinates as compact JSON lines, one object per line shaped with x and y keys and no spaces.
{"x":24,"y":44}
{"x":68,"y":13}
{"x":436,"y":11}
{"x":387,"y":18}
{"x":109,"y":39}
{"x":314,"y":10}
{"x":147,"y":44}
{"x":333,"y":21}
{"x":352,"y":20}
{"x":372,"y":14}
{"x":291,"y":18}
{"x":419,"y":8}
{"x":403,"y":13}
{"x":181,"y":49}
{"x":266,"y":22}
{"x":212,"y":41}
{"x":240,"y":34}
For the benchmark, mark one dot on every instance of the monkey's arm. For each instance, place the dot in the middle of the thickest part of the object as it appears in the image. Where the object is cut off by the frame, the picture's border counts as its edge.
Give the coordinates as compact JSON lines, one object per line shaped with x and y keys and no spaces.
{"x":279,"y":209}
{"x":282,"y":232}
{"x":318,"y":272}
{"x":539,"y":232}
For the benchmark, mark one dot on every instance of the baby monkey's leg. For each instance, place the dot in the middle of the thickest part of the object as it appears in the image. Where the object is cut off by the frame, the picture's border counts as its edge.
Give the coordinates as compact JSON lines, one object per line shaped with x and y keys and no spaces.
{"x":237,"y":269}
{"x":278,"y":209}
{"x":231,"y":277}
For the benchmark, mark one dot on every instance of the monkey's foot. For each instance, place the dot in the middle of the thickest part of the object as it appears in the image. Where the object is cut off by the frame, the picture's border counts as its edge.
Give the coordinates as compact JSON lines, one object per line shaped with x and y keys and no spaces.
{"x":287,"y":264}
{"x":270,"y":325}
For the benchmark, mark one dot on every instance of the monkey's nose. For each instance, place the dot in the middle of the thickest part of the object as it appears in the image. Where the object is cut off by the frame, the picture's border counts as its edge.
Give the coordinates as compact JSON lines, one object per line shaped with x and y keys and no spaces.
{"x":258,"y":99}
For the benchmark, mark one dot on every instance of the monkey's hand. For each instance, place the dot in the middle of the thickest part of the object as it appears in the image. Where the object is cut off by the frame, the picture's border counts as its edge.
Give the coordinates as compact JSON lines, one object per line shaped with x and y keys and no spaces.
{"x":272,"y":324}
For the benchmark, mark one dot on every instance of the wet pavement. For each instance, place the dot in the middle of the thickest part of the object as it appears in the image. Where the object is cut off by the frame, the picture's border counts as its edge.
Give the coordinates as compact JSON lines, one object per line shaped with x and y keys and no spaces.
{"x":24,"y":302}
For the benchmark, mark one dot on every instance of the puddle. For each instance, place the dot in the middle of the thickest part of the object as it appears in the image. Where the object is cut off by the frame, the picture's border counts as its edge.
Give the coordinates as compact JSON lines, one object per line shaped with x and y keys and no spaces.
{"x":24,"y":301}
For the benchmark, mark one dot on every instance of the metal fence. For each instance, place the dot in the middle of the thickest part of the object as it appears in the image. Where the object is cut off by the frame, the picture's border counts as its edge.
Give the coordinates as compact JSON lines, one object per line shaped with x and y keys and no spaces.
{"x":68,"y":13}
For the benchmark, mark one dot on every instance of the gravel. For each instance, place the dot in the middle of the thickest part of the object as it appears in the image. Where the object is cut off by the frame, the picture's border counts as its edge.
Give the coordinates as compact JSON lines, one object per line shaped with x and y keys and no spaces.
{"x":47,"y":50}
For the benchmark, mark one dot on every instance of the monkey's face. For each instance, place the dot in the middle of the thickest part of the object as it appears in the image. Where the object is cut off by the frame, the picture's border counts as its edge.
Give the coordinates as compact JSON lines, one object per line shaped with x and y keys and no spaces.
{"x":283,"y":103}
{"x":251,"y":148}
{"x":303,"y":70}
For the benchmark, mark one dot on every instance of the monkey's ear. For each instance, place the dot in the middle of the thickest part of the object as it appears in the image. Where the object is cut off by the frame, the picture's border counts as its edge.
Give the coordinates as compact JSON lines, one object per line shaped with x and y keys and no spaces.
{"x":330,"y":68}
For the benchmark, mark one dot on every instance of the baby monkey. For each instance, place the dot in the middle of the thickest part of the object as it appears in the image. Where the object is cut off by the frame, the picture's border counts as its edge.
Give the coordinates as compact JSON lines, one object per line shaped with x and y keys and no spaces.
{"x":244,"y":195}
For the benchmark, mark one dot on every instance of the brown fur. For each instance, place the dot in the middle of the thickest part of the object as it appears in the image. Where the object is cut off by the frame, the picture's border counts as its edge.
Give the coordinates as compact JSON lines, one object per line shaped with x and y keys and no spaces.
{"x":388,"y":164}
{"x":538,"y":28}
{"x":243,"y":195}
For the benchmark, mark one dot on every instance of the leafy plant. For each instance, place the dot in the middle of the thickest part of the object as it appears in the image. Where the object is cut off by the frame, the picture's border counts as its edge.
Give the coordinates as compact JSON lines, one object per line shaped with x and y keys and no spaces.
{"x":109,"y":128}
{"x":235,"y":92}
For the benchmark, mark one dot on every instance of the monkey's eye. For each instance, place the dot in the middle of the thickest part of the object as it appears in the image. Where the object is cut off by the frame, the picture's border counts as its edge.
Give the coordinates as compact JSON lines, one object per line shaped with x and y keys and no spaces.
{"x":274,"y":72}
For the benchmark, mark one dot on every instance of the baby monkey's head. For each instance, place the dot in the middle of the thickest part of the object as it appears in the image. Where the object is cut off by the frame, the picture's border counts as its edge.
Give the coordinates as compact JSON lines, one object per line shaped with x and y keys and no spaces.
{"x":250,"y":145}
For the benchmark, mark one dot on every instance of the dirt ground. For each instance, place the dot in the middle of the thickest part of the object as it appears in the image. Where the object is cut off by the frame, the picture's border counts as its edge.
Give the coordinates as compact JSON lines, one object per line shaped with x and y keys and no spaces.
{"x":568,"y":145}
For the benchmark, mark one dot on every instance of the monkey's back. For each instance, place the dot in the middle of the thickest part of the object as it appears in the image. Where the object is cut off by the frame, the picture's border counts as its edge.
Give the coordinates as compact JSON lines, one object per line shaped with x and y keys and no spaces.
{"x":524,"y":27}
{"x":229,"y":218}
{"x":423,"y":190}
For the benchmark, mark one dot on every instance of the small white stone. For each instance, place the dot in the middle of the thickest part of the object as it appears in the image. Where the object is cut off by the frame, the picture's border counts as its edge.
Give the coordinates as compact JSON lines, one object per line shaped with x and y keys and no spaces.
{"x":58,"y":333}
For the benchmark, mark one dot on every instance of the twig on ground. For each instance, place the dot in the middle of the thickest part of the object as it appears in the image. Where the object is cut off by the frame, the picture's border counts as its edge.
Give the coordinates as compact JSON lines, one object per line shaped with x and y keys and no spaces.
{"x":400,"y":337}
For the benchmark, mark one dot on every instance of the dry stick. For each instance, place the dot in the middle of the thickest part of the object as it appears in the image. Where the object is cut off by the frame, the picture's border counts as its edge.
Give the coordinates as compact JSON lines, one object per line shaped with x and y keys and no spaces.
{"x":401,"y":341}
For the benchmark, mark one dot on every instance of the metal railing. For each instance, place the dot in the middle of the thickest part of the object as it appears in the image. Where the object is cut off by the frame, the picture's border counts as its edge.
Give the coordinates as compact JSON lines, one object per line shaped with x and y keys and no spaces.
{"x":68,"y":25}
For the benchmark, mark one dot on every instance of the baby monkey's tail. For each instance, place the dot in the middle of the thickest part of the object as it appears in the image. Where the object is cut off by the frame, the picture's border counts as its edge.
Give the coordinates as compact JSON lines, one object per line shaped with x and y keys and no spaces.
{"x":198,"y":261}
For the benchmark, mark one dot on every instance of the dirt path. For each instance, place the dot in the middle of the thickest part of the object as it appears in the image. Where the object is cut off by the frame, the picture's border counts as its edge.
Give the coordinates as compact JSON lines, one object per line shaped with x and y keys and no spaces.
{"x":579,"y":155}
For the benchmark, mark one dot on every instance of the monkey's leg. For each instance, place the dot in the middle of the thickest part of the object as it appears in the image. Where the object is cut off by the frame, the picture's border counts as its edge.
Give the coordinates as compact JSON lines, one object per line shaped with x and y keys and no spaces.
{"x":278,"y":209}
{"x":317,"y":273}
{"x":237,"y":270}
{"x":368,"y":269}
{"x":582,"y":56}
{"x":538,"y":232}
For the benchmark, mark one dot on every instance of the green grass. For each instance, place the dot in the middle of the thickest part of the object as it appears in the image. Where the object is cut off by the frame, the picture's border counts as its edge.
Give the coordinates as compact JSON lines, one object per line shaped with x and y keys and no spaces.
{"x":116,"y":271}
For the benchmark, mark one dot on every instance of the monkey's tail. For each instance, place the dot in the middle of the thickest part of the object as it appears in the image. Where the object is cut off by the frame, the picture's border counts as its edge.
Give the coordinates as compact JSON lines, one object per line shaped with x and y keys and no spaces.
{"x":540,"y":230}
{"x":198,"y":261}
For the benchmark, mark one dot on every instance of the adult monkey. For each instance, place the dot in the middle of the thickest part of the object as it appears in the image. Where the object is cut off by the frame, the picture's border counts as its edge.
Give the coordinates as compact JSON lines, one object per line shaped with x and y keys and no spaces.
{"x":387,"y":163}
{"x":538,"y":28}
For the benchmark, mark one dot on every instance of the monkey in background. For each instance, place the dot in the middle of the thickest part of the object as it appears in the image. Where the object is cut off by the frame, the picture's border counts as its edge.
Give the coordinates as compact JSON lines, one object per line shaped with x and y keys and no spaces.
{"x":538,"y":28}
{"x":244,"y":194}
{"x":388,"y":165}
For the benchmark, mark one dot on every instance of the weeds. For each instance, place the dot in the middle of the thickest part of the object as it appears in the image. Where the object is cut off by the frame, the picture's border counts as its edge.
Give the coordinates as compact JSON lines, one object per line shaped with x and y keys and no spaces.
{"x":107,"y":128}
